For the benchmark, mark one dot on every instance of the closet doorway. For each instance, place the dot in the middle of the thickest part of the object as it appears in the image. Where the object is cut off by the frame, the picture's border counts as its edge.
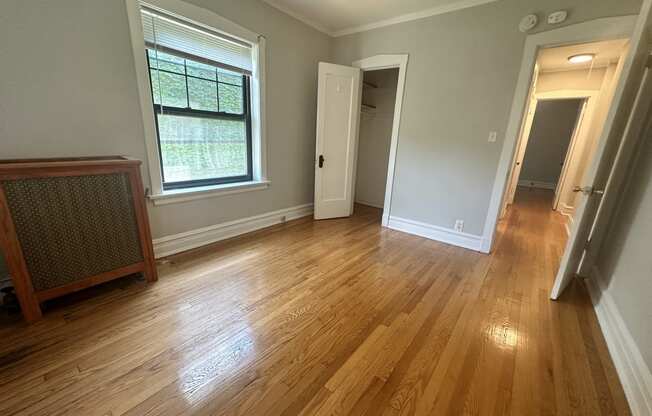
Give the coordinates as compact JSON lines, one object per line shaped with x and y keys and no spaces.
{"x":376,"y":121}
{"x":350,"y":168}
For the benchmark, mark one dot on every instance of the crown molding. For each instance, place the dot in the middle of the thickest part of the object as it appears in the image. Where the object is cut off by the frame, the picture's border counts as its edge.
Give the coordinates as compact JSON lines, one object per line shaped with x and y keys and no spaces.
{"x":433,"y":11}
{"x":299,"y":17}
{"x":447,"y":8}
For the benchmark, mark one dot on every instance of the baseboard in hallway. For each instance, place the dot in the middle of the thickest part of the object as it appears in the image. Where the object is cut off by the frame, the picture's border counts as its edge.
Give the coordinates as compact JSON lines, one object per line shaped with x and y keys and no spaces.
{"x":537,"y":184}
{"x":634,"y":374}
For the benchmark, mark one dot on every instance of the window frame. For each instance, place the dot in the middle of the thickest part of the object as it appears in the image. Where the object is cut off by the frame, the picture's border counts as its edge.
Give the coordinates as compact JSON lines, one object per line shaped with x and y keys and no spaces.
{"x":216,"y":23}
{"x":191,"y":112}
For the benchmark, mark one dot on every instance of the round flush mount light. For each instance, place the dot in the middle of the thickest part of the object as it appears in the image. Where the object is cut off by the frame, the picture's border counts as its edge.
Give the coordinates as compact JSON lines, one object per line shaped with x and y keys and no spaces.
{"x":581,"y":58}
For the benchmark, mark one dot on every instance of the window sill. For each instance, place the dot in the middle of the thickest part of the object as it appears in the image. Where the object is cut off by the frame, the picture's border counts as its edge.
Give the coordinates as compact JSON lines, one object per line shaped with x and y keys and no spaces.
{"x":191,"y":194}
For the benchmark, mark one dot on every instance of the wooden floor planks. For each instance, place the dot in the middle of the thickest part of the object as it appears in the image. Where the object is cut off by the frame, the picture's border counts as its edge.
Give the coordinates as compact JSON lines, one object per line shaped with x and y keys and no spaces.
{"x":329,"y":317}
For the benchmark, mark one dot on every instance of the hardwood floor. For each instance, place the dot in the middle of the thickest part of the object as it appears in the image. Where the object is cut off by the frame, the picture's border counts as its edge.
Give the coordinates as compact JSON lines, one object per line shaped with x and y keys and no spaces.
{"x":329,"y":317}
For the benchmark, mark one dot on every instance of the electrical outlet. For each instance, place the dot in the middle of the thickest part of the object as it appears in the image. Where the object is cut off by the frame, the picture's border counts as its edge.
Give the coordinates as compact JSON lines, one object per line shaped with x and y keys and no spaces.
{"x":459,"y":225}
{"x":492,"y":136}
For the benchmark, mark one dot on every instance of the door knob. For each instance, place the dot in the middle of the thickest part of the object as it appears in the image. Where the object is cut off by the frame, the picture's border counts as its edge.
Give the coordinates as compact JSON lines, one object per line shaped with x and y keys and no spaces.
{"x":321,"y":161}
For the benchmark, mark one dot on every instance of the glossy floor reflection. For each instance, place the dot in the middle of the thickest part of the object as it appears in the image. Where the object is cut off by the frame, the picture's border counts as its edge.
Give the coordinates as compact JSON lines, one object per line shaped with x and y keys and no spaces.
{"x":329,"y":317}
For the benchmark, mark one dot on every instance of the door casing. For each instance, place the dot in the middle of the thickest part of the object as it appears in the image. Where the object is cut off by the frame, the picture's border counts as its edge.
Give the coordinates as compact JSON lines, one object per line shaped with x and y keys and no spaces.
{"x":596,"y":30}
{"x":378,"y":62}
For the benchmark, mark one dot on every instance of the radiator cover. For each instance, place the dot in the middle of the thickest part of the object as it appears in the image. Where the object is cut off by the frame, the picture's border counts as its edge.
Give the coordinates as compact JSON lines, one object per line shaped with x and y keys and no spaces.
{"x":74,"y":227}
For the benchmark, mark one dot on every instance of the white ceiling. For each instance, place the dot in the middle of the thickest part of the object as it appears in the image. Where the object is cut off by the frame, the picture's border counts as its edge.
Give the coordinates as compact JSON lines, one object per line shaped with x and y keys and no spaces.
{"x":556,"y":59}
{"x":341,"y":17}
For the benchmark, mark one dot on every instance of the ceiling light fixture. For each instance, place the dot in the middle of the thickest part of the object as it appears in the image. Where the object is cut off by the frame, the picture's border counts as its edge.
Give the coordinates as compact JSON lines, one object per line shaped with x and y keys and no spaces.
{"x":581,"y":58}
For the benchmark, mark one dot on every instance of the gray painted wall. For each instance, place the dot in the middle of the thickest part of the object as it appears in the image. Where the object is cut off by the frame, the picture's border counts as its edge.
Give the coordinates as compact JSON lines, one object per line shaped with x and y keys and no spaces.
{"x":68,"y":88}
{"x":460,"y":82}
{"x":552,"y":129}
{"x":624,"y":261}
{"x":375,"y":136}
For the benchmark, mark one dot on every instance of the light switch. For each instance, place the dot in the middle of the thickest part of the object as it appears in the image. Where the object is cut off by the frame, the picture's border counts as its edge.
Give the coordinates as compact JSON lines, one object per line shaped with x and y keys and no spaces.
{"x":492,"y":136}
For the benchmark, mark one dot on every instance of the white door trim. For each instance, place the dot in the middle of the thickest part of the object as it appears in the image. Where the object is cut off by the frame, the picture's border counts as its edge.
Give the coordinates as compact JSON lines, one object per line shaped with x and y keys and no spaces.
{"x":385,"y":62}
{"x":594,"y":30}
{"x":258,"y":108}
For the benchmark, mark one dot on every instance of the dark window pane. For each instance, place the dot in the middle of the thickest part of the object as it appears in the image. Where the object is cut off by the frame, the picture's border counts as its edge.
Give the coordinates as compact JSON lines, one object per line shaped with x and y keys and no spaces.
{"x":229,"y":78}
{"x":230,"y":99}
{"x":198,"y":69}
{"x":171,"y":87}
{"x":195,"y":148}
{"x":203,"y":94}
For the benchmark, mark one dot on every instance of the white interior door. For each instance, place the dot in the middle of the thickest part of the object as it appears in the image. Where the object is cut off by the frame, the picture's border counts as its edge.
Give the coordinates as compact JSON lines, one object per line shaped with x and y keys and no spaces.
{"x":519,"y":154}
{"x":338,"y":117}
{"x":522,"y":147}
{"x":612,"y":153}
{"x":563,"y":177}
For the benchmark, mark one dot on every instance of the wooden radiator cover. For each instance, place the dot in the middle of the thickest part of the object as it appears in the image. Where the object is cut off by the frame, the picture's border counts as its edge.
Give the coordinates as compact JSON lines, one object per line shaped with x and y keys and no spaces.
{"x":72,"y":223}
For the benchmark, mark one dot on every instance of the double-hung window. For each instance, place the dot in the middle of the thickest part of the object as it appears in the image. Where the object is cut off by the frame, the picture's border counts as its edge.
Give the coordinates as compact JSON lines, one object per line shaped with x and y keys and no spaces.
{"x":201,"y":83}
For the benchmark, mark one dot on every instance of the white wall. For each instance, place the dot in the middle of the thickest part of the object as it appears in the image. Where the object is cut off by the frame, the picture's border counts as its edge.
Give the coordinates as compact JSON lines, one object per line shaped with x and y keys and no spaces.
{"x":460,"y":81}
{"x":375,"y":137}
{"x":624,"y":262}
{"x":68,"y":88}
{"x":579,"y":79}
{"x":552,"y":129}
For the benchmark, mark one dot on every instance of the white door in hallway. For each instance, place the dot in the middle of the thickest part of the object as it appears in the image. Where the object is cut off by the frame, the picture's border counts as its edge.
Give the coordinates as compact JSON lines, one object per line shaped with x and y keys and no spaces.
{"x":338,"y":117}
{"x":604,"y":179}
{"x":565,"y":164}
{"x":524,"y":137}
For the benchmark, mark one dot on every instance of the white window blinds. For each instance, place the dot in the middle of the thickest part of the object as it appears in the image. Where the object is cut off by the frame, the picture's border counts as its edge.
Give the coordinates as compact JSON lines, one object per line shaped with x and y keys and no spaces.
{"x":172,"y":35}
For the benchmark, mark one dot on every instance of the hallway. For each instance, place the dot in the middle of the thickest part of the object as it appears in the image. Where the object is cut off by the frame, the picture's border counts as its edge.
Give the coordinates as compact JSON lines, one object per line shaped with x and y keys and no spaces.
{"x":321,"y":317}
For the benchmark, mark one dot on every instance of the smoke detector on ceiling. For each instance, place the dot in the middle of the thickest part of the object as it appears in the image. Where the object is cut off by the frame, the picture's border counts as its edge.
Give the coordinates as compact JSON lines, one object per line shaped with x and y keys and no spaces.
{"x":557,"y":17}
{"x":528,"y":22}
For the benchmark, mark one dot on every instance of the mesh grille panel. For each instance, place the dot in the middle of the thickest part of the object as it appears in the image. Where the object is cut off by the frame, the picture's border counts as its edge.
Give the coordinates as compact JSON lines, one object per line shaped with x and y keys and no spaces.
{"x":74,"y":227}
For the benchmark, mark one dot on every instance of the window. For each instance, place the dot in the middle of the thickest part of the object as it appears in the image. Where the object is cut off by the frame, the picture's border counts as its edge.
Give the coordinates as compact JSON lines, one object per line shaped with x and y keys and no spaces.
{"x":201,"y":92}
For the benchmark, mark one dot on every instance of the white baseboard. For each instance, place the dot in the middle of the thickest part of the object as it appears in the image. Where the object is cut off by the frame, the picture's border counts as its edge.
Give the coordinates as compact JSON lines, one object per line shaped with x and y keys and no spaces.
{"x":177,"y":243}
{"x":537,"y":184}
{"x":634,"y":374}
{"x":433,"y":232}
{"x":567,"y":211}
{"x":370,"y":204}
{"x":568,"y":226}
